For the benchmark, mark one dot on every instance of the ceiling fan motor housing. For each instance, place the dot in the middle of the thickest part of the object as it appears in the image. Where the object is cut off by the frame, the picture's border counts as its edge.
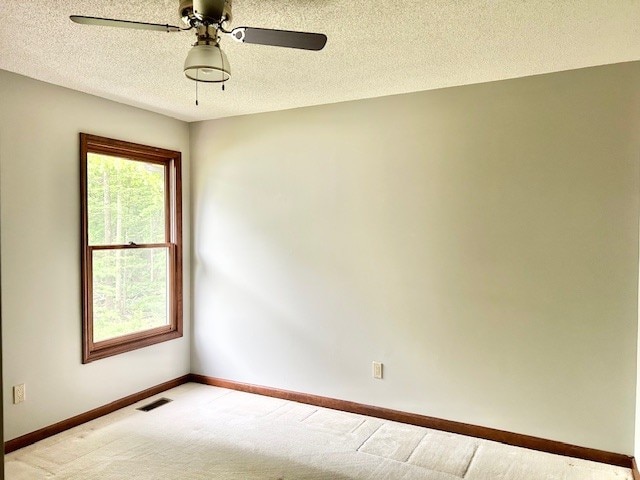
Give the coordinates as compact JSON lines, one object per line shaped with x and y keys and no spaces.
{"x":205,"y":11}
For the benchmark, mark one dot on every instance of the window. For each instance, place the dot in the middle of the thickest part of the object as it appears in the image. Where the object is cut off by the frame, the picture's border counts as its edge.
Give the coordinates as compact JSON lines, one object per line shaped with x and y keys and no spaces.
{"x":131,"y":246}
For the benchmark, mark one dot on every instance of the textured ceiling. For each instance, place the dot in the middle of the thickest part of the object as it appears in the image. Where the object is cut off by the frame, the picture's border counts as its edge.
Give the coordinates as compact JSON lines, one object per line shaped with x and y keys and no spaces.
{"x":375,"y":48}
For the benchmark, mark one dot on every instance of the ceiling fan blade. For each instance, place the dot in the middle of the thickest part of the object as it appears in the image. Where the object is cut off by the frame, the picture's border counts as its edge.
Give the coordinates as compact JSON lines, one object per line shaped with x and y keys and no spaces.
{"x":110,"y":22}
{"x":280,"y":38}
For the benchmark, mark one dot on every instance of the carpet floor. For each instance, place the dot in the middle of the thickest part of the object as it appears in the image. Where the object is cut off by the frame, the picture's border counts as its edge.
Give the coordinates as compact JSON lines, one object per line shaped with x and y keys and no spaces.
{"x":214,"y":433}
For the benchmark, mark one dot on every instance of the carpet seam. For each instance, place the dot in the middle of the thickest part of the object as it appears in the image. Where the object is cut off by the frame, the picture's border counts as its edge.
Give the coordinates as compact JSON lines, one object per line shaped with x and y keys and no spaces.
{"x":303,"y":420}
{"x":353,"y":430}
{"x":466,"y":470}
{"x":369,"y":437}
{"x":416,"y":447}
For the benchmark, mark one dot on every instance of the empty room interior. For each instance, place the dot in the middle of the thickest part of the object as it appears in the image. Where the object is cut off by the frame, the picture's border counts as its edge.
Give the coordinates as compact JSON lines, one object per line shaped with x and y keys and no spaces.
{"x":288,"y":239}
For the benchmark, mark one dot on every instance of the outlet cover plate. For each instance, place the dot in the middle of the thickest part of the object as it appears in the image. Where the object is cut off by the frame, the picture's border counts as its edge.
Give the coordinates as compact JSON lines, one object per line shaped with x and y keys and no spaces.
{"x":377,"y":370}
{"x":19,"y":393}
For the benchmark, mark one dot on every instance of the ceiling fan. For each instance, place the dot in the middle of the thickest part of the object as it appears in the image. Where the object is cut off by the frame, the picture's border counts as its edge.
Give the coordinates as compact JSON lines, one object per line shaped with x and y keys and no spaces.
{"x":206,"y":62}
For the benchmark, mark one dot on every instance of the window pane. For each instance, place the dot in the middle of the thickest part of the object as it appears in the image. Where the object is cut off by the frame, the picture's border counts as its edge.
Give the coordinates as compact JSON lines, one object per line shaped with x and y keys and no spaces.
{"x":126,"y":201}
{"x":130,"y":291}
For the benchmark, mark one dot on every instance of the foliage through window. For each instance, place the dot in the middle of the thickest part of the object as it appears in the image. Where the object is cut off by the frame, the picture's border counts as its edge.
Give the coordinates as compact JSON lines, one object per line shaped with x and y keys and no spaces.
{"x":132,"y":249}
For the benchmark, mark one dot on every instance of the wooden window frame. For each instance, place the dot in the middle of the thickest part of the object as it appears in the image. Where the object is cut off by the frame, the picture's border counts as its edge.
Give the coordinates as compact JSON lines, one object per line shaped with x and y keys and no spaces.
{"x":172,"y":162}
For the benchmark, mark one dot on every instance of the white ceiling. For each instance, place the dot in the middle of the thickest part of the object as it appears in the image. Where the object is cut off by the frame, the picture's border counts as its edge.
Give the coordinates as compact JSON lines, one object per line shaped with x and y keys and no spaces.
{"x":375,"y":48}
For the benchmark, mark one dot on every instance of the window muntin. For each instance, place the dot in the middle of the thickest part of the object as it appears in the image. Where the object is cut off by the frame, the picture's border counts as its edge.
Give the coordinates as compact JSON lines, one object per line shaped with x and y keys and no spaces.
{"x":132,"y":249}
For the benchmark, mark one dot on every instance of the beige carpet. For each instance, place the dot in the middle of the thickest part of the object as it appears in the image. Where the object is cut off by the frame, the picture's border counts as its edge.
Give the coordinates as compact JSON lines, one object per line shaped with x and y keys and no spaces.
{"x":213,"y":433}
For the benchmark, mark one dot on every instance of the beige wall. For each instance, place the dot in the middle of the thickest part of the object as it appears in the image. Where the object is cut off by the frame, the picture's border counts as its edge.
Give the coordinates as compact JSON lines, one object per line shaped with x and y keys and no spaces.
{"x":40,"y":215}
{"x":481,"y":241}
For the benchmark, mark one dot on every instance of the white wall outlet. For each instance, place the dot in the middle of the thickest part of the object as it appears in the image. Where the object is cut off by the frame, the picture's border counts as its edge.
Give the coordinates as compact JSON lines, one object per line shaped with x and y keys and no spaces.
{"x":377,"y":370}
{"x":19,"y":393}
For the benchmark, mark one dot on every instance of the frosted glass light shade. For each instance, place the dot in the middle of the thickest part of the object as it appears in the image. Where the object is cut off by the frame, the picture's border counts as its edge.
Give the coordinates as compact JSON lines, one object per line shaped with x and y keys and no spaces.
{"x":207,"y":63}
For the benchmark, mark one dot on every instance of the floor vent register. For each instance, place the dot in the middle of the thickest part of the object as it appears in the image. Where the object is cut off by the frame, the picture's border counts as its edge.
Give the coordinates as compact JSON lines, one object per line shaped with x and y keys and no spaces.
{"x":156,"y":404}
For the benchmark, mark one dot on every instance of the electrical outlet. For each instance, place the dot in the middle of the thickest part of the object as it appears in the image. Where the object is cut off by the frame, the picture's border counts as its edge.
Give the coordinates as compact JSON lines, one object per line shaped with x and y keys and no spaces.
{"x":377,"y":370}
{"x":19,"y":393}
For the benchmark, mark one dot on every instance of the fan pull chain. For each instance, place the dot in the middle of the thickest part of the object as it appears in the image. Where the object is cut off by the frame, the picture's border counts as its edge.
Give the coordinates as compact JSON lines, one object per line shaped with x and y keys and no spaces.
{"x":222,"y":61}
{"x":197,"y":70}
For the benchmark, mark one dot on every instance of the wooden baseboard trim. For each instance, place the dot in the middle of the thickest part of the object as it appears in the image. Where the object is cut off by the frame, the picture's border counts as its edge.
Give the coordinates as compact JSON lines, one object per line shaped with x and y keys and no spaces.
{"x":59,"y":427}
{"x":509,"y":438}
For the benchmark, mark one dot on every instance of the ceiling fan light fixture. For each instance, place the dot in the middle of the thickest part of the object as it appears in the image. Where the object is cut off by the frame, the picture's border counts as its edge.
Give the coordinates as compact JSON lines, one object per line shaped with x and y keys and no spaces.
{"x":207,"y":63}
